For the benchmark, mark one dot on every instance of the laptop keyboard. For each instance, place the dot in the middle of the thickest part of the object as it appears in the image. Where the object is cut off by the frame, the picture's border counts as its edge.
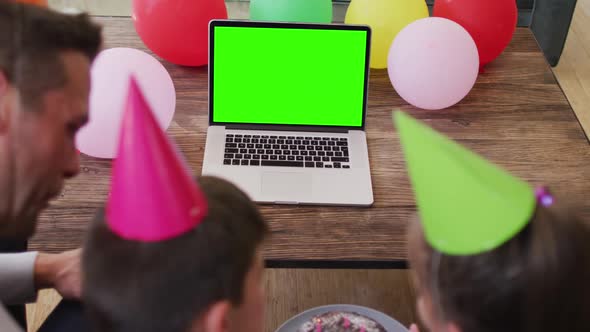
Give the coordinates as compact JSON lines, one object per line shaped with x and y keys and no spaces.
{"x":286,"y":151}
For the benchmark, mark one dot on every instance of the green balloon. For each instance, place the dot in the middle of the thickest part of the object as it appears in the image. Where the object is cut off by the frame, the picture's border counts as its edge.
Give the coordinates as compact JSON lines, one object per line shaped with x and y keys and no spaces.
{"x":308,"y":11}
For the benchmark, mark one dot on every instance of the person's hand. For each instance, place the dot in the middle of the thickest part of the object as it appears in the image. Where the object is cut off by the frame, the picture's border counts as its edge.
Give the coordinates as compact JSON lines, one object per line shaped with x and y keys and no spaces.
{"x":60,"y":271}
{"x":414,"y":328}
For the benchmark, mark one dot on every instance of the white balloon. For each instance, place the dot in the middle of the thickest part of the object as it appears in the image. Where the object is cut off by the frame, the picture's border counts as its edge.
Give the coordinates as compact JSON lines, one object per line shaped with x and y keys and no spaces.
{"x":433,"y":63}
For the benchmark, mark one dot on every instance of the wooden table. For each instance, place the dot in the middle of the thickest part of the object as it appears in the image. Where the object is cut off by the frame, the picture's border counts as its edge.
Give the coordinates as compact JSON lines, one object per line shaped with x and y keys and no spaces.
{"x":517,"y":116}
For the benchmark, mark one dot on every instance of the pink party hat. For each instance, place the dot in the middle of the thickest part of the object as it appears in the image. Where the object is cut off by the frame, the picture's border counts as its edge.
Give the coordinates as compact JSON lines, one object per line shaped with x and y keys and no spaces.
{"x":153,"y":195}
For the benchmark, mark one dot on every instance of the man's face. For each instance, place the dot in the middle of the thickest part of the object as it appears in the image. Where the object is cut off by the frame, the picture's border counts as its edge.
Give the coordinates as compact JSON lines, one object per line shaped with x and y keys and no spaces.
{"x":249,"y":316}
{"x":43,"y":145}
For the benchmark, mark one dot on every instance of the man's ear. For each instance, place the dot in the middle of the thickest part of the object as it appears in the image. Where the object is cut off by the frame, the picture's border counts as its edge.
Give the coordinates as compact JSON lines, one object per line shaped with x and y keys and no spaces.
{"x":215,"y":319}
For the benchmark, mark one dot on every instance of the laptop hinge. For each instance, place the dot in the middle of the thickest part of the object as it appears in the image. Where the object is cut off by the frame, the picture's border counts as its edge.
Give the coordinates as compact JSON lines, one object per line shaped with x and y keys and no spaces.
{"x":289,"y":128}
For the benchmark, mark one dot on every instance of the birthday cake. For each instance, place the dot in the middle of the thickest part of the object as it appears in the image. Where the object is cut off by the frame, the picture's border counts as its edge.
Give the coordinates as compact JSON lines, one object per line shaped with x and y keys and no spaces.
{"x":341,"y":322}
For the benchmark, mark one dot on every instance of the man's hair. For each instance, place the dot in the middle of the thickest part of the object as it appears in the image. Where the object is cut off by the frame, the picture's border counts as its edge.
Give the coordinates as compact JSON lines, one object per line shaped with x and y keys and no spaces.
{"x":165,"y":286}
{"x":537,"y":281}
{"x":31,"y":40}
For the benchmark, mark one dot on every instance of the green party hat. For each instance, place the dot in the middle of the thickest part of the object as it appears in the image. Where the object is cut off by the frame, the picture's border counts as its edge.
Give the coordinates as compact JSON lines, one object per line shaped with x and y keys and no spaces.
{"x":467,"y":205}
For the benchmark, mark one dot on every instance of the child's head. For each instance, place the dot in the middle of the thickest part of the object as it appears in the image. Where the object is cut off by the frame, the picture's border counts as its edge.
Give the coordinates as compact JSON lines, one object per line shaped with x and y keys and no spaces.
{"x":489,"y":253}
{"x":169,"y":254}
{"x":208,"y":279}
{"x":537,"y":281}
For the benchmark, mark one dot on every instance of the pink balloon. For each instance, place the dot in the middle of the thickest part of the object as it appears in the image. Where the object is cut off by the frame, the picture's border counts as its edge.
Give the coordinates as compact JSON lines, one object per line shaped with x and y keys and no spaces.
{"x":110,"y":74}
{"x":433,"y":63}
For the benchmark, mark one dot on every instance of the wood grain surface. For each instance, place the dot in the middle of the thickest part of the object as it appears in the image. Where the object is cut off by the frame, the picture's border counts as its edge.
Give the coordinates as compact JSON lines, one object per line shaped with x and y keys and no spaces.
{"x":38,"y":312}
{"x":517,"y":116}
{"x":573,"y":71}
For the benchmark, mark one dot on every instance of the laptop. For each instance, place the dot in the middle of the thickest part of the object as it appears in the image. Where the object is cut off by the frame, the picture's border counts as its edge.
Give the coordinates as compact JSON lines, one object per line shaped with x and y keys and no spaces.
{"x":287,"y":106}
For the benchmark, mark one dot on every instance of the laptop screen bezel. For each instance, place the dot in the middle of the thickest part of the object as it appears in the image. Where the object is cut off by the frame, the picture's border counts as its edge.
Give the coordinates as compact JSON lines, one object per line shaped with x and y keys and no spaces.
{"x":253,"y":24}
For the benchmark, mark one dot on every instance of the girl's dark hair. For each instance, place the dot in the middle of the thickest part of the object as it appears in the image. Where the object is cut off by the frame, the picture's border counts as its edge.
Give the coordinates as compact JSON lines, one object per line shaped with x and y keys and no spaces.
{"x":165,"y":286}
{"x":538,"y":281}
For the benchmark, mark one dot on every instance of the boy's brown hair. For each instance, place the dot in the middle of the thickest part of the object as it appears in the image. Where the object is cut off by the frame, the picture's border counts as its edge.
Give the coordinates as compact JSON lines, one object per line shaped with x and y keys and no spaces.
{"x":31,"y":40}
{"x":538,"y":281}
{"x":165,"y":286}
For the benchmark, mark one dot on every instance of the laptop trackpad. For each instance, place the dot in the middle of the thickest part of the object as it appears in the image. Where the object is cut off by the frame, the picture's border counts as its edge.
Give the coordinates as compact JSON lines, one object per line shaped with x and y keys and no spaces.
{"x":286,"y":187}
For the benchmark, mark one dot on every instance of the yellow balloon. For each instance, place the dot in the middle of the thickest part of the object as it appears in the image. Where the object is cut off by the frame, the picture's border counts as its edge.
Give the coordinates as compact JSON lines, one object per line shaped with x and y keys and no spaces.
{"x":386,"y":19}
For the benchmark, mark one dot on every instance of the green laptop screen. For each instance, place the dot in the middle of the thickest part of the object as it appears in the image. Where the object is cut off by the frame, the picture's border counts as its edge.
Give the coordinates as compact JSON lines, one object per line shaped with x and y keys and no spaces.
{"x":288,"y":76}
